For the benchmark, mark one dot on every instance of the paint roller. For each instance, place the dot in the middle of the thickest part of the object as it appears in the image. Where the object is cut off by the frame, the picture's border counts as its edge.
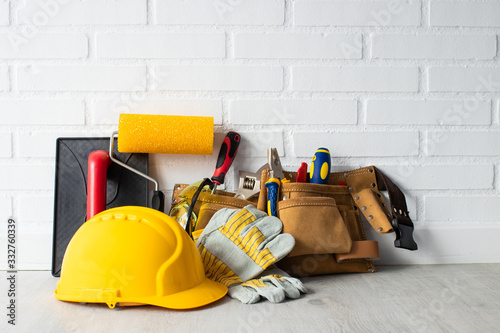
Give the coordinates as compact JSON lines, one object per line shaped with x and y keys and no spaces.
{"x":140,"y":133}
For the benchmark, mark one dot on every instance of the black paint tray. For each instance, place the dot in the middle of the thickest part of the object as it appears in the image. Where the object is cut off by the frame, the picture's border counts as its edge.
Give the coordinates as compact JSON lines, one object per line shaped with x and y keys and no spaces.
{"x":124,"y":188}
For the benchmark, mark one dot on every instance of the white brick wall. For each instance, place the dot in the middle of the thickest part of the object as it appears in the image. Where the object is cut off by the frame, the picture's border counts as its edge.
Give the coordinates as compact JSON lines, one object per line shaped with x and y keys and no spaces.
{"x":160,"y":45}
{"x":469,"y":79}
{"x":35,"y":237}
{"x":295,"y":46}
{"x":457,"y":208}
{"x":359,"y":13}
{"x":428,"y":112}
{"x":44,"y":46}
{"x":465,"y":14}
{"x":293,"y":112}
{"x":458,"y":176}
{"x":26,"y":176}
{"x":225,"y":78}
{"x":220,"y":12}
{"x":4,"y":13}
{"x":5,"y":145}
{"x":5,"y":207}
{"x":41,"y":144}
{"x":36,"y":209}
{"x":81,"y":78}
{"x":42,"y":112}
{"x":410,"y":86}
{"x":357,"y":79}
{"x":4,"y":78}
{"x":358,"y":144}
{"x":106,"y":111}
{"x":255,"y":144}
{"x":95,"y":12}
{"x":445,"y":143}
{"x":434,"y":46}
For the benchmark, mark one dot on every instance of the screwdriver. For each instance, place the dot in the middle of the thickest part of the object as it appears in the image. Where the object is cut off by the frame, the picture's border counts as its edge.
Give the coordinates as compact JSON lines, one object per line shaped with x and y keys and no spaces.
{"x":320,"y":166}
{"x":227,"y":153}
{"x":276,"y":178}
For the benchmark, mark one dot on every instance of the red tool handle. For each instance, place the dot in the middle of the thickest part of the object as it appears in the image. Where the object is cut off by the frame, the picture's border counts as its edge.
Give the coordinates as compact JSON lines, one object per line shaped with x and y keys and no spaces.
{"x":302,"y":173}
{"x":227,"y":154}
{"x":98,"y":164}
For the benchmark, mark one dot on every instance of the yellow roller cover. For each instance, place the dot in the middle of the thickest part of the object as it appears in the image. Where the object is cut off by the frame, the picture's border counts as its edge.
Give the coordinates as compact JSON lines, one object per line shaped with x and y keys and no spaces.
{"x":144,"y":133}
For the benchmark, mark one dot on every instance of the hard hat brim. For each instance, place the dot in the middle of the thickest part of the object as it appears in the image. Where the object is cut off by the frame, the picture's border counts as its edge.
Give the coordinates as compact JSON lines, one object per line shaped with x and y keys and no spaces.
{"x":205,"y":293}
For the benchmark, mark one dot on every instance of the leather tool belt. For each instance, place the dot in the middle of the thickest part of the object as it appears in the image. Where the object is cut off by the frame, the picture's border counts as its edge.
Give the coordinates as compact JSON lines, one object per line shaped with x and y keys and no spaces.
{"x":325,"y":220}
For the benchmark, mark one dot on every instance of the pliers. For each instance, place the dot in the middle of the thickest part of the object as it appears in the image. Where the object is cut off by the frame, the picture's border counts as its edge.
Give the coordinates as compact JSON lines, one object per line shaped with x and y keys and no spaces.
{"x":276,"y":177}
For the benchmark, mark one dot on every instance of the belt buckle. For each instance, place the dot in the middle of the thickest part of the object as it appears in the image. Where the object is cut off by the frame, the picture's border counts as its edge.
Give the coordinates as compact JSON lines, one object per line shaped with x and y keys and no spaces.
{"x":404,"y":233}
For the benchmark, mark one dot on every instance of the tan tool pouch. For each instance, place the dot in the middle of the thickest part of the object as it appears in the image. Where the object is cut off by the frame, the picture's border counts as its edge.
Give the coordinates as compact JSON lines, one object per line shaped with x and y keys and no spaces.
{"x":207,"y":204}
{"x":326,"y":223}
{"x":315,"y":221}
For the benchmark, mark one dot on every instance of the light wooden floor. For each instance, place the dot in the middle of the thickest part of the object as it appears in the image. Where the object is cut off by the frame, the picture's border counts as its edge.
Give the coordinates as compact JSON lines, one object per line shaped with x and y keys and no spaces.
{"x":434,"y":298}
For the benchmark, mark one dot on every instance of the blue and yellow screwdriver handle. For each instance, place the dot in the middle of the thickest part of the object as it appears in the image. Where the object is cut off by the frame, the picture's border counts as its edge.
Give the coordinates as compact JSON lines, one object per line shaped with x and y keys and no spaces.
{"x":273,"y":191}
{"x":320,"y":166}
{"x":273,"y":188}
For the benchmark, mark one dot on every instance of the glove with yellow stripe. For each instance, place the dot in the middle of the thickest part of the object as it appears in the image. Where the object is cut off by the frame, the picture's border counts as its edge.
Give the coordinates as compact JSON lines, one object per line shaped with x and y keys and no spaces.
{"x":238,"y":245}
{"x":275,"y":285}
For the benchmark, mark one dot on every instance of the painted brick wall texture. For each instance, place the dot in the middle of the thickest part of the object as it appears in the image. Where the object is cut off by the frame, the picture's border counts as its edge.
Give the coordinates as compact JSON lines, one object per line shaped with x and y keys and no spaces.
{"x":4,"y":13}
{"x":410,"y":86}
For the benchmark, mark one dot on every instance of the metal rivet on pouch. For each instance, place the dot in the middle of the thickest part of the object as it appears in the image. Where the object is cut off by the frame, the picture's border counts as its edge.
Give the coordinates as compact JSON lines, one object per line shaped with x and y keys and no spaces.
{"x":370,"y":217}
{"x":400,"y":212}
{"x":178,"y":188}
{"x":284,"y":197}
{"x":356,"y":197}
{"x":174,"y":201}
{"x":380,"y":229}
{"x":363,"y":208}
{"x":350,"y":189}
{"x":371,"y":270}
{"x":370,"y":170}
{"x":373,"y":184}
{"x":346,"y":175}
{"x":395,"y":210}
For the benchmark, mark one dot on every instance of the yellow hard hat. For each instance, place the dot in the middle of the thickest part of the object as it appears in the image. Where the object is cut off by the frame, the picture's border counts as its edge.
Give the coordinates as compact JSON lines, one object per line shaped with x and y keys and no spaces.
{"x":131,"y":256}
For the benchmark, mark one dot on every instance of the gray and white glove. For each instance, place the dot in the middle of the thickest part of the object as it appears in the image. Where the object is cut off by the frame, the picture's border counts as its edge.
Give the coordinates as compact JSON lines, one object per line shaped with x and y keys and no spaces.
{"x":274,"y":285}
{"x":238,"y":245}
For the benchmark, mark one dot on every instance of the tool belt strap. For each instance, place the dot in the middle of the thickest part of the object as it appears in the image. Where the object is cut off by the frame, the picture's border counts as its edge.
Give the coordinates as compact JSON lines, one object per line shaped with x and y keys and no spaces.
{"x":365,"y":185}
{"x":401,"y":221}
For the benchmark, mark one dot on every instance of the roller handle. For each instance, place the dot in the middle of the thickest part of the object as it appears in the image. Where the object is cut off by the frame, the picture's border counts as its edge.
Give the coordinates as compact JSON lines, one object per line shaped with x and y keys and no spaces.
{"x":273,"y":187}
{"x":98,"y":164}
{"x":320,"y":166}
{"x":226,"y":156}
{"x":157,"y":200}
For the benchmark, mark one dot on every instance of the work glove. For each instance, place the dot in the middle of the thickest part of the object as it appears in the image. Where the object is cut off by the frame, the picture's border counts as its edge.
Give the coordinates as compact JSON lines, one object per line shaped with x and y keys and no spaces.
{"x":238,"y":245}
{"x":274,"y":285}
